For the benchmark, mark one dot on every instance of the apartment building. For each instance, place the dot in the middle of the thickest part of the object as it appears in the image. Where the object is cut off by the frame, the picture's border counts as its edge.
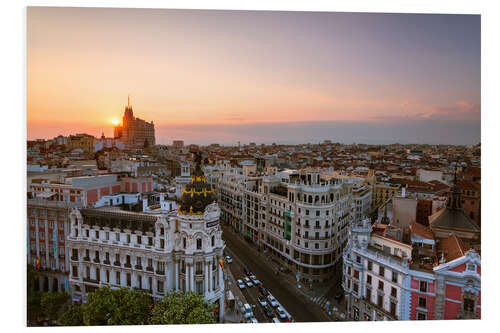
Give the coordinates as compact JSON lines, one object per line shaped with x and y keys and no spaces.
{"x":299,"y":216}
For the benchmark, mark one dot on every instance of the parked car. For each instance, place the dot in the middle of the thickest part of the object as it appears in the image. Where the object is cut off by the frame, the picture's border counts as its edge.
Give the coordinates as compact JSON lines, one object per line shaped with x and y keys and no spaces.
{"x":247,"y":271}
{"x":281,"y":313}
{"x":263,"y":291}
{"x":276,"y":320}
{"x":262,"y":301}
{"x":252,"y":321}
{"x":248,"y":282}
{"x":269,"y":311}
{"x":272,"y":301}
{"x":229,"y":260}
{"x":255,"y":280}
{"x":241,"y":284}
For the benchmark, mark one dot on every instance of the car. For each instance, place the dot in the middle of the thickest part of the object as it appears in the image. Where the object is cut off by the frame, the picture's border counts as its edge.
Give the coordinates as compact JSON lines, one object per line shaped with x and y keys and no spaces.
{"x":246,"y":310}
{"x":241,"y":284}
{"x":247,"y":271}
{"x":262,"y":301}
{"x":272,"y":301}
{"x":339,"y":296}
{"x":255,"y":280}
{"x":252,"y":321}
{"x":229,"y":260}
{"x":248,"y":282}
{"x":276,"y":320}
{"x":263,"y":291}
{"x":281,"y":313}
{"x":269,"y":311}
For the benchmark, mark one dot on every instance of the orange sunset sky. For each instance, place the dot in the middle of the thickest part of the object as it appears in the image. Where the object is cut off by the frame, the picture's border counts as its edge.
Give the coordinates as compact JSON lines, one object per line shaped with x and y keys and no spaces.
{"x":225,"y":76}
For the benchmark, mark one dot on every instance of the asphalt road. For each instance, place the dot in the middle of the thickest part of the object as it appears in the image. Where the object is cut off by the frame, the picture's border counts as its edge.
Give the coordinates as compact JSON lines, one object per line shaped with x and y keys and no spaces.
{"x":299,"y":306}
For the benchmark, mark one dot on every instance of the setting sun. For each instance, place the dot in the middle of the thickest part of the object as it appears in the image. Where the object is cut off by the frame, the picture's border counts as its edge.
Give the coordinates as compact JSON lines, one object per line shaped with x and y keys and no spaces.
{"x":115,"y":121}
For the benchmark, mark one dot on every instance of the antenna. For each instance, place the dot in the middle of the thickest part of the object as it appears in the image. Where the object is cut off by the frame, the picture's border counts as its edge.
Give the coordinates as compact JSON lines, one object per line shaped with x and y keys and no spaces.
{"x":128,"y":100}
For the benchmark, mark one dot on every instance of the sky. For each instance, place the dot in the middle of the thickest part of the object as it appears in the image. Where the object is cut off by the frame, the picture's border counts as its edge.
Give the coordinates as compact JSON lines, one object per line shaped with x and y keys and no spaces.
{"x":206,"y":76}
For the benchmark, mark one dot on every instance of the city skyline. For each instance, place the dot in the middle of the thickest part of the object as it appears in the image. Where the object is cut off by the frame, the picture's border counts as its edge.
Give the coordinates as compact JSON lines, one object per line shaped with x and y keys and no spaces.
{"x":262,"y":76}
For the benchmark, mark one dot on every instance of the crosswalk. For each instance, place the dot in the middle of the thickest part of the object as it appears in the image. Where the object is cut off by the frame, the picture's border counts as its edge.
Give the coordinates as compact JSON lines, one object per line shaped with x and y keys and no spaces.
{"x":320,"y":300}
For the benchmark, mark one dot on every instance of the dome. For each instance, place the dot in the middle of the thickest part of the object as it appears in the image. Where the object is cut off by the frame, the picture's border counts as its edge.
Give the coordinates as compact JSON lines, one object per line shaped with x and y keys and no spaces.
{"x":197,"y":195}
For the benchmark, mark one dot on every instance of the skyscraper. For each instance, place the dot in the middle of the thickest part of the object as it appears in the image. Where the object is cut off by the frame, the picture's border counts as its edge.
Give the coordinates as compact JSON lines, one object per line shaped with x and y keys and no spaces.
{"x":135,"y":132}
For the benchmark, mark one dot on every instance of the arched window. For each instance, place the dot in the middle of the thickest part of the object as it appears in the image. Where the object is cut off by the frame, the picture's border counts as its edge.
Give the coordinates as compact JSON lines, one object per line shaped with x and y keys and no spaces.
{"x":310,"y":199}
{"x":198,"y":243}
{"x":316,"y":199}
{"x":213,"y":241}
{"x":331,"y":197}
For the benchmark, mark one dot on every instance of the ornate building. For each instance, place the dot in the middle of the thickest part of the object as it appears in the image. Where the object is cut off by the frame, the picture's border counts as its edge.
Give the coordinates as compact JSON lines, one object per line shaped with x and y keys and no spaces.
{"x":135,"y":132}
{"x":156,"y":250}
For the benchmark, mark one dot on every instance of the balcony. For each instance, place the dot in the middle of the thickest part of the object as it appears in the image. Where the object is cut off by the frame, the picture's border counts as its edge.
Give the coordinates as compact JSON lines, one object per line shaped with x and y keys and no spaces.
{"x":89,"y":280}
{"x":97,"y":260}
{"x":127,"y":265}
{"x":106,"y":262}
{"x":86,"y":258}
{"x":150,"y":269}
{"x":74,"y":258}
{"x":160,"y":272}
{"x":139,"y":267}
{"x":117,"y":264}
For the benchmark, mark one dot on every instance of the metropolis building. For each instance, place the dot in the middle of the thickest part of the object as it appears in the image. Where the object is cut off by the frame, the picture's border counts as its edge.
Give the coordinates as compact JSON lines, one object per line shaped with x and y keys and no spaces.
{"x":157,"y":250}
{"x":135,"y":132}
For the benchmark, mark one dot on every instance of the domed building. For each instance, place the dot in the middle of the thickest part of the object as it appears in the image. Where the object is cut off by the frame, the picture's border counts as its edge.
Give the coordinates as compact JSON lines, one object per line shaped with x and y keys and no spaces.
{"x":157,"y":250}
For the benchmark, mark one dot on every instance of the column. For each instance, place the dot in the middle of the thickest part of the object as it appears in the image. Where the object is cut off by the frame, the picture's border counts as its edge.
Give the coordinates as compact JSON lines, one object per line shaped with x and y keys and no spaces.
{"x":154,"y":287}
{"x":57,"y":240}
{"x":191,"y":276}
{"x":221,"y":277}
{"x":176,"y":275}
{"x":210,"y":277}
{"x":47,"y":262}
{"x":186,"y":277}
{"x":205,"y":287}
{"x":37,"y":234}
{"x":221,"y":308}
{"x":66,"y":248}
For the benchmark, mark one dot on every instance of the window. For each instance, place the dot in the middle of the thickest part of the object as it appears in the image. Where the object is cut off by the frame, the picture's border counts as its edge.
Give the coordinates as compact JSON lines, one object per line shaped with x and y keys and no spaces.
{"x":184,"y":242}
{"x":61,"y":226}
{"x":118,"y":278}
{"x":150,"y":241}
{"x":421,"y":316}
{"x":358,"y":259}
{"x":198,"y":243}
{"x":394,"y":292}
{"x":107,"y":276}
{"x":380,"y":285}
{"x":107,"y":235}
{"x":117,"y":236}
{"x":423,"y":286}
{"x":97,"y":234}
{"x":128,"y":239}
{"x":317,"y":213}
{"x":139,"y":239}
{"x":306,"y":244}
{"x":87,"y":271}
{"x":393,"y":308}
{"x":468,"y":305}
{"x":422,"y":302}
{"x":370,"y":265}
{"x":368,"y":294}
{"x":355,"y":287}
{"x":307,"y":211}
{"x":356,"y":274}
{"x":160,"y":286}
{"x":380,"y":300}
{"x":369,"y":279}
{"x":129,"y":280}
{"x":395,"y":277}
{"x":213,"y":241}
{"x":348,"y":270}
{"x":162,"y":243}
{"x":381,"y":270}
{"x":75,"y":271}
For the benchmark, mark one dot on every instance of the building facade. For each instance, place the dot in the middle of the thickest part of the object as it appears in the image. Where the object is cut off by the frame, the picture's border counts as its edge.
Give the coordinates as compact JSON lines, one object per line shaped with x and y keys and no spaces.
{"x":134,"y":132}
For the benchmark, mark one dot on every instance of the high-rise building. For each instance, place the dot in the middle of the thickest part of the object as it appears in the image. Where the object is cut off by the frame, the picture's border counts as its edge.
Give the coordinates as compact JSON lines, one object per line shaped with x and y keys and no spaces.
{"x":135,"y":132}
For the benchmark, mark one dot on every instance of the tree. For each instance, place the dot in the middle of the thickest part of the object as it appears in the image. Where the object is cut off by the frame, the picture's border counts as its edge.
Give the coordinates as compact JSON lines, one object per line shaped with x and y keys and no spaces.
{"x":177,"y":308}
{"x":53,"y":303}
{"x":33,"y":306}
{"x":72,"y":317}
{"x":117,"y":307}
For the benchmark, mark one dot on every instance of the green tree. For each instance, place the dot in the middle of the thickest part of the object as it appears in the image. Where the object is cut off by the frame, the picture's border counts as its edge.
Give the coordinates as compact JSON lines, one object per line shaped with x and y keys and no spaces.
{"x":72,"y":317}
{"x":33,"y":305}
{"x":53,"y":303}
{"x":117,"y":307}
{"x":177,"y":308}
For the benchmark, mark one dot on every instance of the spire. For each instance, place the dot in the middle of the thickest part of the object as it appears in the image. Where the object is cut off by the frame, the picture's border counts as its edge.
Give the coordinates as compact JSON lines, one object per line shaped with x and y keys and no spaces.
{"x":129,"y":100}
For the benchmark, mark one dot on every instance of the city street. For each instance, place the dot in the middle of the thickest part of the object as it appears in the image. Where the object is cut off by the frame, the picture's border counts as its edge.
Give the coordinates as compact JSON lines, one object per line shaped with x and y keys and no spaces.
{"x":300,"y":307}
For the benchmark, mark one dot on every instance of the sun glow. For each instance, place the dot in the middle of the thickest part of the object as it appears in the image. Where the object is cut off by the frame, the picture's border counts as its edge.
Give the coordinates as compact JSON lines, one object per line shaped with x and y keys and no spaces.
{"x":115,"y":121}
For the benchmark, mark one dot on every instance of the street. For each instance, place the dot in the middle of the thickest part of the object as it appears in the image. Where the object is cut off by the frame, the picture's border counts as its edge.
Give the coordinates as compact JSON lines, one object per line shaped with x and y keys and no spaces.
{"x":299,"y":306}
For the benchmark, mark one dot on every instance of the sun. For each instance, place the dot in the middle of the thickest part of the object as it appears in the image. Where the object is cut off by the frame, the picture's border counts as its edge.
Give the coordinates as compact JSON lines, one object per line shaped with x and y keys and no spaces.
{"x":115,"y":121}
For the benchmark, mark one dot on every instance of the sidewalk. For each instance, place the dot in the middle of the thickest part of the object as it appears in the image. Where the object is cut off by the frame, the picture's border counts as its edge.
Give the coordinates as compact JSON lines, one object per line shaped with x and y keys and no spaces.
{"x":233,"y":315}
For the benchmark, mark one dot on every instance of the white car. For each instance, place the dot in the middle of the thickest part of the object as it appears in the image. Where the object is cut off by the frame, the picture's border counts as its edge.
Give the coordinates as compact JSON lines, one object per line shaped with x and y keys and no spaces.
{"x":262,"y":301}
{"x":229,"y":260}
{"x":248,"y":282}
{"x":254,"y":279}
{"x":281,"y":313}
{"x":252,"y":321}
{"x":272,"y":301}
{"x":246,"y":310}
{"x":241,"y":284}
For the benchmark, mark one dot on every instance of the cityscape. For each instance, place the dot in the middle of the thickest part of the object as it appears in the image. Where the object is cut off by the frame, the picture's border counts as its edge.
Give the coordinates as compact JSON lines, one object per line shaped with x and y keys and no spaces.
{"x":341,"y":212}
